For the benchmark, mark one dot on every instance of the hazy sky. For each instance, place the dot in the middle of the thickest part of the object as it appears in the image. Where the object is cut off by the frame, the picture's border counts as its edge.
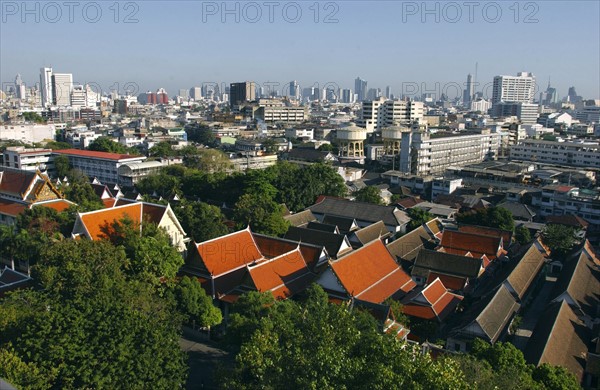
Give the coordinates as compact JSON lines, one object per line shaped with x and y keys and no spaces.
{"x":411,"y":46}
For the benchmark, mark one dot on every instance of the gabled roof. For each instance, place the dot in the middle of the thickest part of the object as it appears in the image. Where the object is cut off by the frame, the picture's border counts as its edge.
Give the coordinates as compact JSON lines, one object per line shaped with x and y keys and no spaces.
{"x":283,"y":276}
{"x":526,"y":271}
{"x":487,"y":231}
{"x":24,"y":185}
{"x":435,"y":227}
{"x":324,"y":227}
{"x":271,"y":247}
{"x":98,"y":155}
{"x":560,"y":338}
{"x":98,"y":223}
{"x":332,"y":242}
{"x":13,"y":209}
{"x":345,"y":225}
{"x":371,"y":274}
{"x":372,"y":232}
{"x":579,"y":279}
{"x":449,"y":264}
{"x":409,"y":201}
{"x":360,"y":211}
{"x":408,"y":246}
{"x":568,"y":220}
{"x":229,"y":252}
{"x":434,"y":302}
{"x":56,"y":204}
{"x":518,"y":210}
{"x":300,"y":218}
{"x":490,"y":315}
{"x":461,"y":242}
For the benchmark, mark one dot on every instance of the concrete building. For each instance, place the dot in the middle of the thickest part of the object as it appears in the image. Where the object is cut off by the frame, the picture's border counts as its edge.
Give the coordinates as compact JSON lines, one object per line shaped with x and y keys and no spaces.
{"x":62,"y":86}
{"x":272,"y":114}
{"x":424,"y":154}
{"x":519,"y":89}
{"x":46,"y":86}
{"x":347,"y":96}
{"x":27,"y":133}
{"x":527,"y":113}
{"x":567,"y":200}
{"x":241,"y":92}
{"x":578,"y":154}
{"x":351,"y":142}
{"x":380,"y":113}
{"x":101,"y":165}
{"x":360,"y":88}
{"x":28,"y":159}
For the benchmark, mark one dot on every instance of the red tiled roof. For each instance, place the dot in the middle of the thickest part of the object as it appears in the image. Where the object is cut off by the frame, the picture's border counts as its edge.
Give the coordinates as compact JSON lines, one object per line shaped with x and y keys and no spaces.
{"x":371,"y":274}
{"x":58,"y":205}
{"x":474,"y":243}
{"x":439,"y":302}
{"x":569,"y":220}
{"x":109,"y":202}
{"x":452,"y":282}
{"x":274,"y":246}
{"x":94,"y":154}
{"x":97,"y":222}
{"x":283,"y":276}
{"x":224,"y":254}
{"x":11,"y":208}
{"x":487,"y":231}
{"x":15,"y":181}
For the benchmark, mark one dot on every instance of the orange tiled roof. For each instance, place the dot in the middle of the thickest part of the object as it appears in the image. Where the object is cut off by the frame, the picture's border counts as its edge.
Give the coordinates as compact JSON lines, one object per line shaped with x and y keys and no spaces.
{"x":474,"y":243}
{"x":226,"y":253}
{"x":15,"y":181}
{"x":452,"y":282}
{"x":94,"y":154}
{"x":109,"y":202}
{"x":434,"y":302}
{"x":11,"y":208}
{"x":96,"y":222}
{"x":274,"y":246}
{"x":58,"y":205}
{"x":283,"y":276}
{"x":487,"y":231}
{"x":371,"y":274}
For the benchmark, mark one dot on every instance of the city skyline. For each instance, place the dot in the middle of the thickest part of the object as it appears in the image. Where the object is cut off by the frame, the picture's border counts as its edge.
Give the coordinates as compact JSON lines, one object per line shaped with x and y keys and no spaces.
{"x":197,"y":46}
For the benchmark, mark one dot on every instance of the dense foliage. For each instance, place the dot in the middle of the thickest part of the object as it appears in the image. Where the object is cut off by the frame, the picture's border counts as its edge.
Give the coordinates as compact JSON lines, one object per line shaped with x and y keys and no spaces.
{"x":559,"y":238}
{"x":369,"y":194}
{"x":418,"y":216}
{"x":496,"y":217}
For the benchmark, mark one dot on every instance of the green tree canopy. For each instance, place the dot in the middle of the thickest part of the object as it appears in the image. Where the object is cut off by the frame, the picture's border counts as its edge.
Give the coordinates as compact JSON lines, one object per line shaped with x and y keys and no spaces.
{"x":263,"y":215}
{"x":522,"y":235}
{"x":560,"y":238}
{"x":369,"y":194}
{"x":161,"y":149}
{"x":200,"y":220}
{"x":418,"y":216}
{"x":195,"y":305}
{"x":497,"y":217}
{"x":106,"y":144}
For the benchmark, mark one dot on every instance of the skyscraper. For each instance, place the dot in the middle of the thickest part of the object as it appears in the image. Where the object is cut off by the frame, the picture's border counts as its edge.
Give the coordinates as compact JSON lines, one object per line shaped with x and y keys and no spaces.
{"x":572,"y":96}
{"x":469,"y":91}
{"x":294,"y":90}
{"x":46,"y":86}
{"x":549,"y":96}
{"x":20,"y":88}
{"x":196,"y":93}
{"x":62,"y":86}
{"x":360,"y":87}
{"x":347,"y":96}
{"x":388,"y":92}
{"x":519,"y":89}
{"x":242,"y":92}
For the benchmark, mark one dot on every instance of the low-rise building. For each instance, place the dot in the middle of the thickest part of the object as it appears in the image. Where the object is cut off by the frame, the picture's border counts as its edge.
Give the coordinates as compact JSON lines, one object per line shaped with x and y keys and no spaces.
{"x":28,"y":159}
{"x":27,"y":132}
{"x":578,"y":154}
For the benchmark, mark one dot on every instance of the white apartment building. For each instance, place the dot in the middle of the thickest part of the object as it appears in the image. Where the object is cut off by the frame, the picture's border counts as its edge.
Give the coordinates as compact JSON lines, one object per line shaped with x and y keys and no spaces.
{"x":27,"y":133}
{"x":308,"y":133}
{"x":379,"y":113}
{"x":272,"y":114}
{"x":579,"y":154}
{"x":62,"y":86}
{"x":101,"y":165}
{"x":421,"y":154}
{"x":28,"y":159}
{"x":565,"y":200}
{"x":519,"y":89}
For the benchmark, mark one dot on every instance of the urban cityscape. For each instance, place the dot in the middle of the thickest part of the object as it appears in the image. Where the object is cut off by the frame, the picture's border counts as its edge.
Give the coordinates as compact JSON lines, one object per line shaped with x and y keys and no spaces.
{"x":367,"y":232}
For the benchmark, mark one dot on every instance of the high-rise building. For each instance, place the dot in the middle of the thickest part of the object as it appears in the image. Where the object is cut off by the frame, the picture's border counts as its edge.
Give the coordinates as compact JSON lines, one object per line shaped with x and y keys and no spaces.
{"x":548,"y":97}
{"x":184,"y":93}
{"x":20,"y":90}
{"x":347,"y":96}
{"x":294,"y":90}
{"x":519,"y":89}
{"x":572,"y":96}
{"x":379,"y":113}
{"x":196,"y":93}
{"x":241,"y":92}
{"x":360,"y":87}
{"x":162,"y":97}
{"x":388,"y":92}
{"x":469,"y":91}
{"x":374,"y":93}
{"x":78,"y":98}
{"x":46,"y":86}
{"x":62,"y":86}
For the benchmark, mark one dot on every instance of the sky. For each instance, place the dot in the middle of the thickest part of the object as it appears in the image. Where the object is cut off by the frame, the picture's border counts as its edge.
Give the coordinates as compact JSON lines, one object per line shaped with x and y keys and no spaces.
{"x":412,"y":46}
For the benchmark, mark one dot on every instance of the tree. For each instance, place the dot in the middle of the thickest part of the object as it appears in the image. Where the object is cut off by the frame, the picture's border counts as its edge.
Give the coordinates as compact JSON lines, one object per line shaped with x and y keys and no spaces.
{"x":88,"y":326}
{"x":57,"y":145}
{"x":326,"y":148}
{"x":263,"y":214}
{"x":209,"y":160}
{"x":497,"y":217}
{"x":418,"y":217}
{"x":33,"y":117}
{"x":560,"y":238}
{"x":201,"y":134}
{"x":312,"y":343}
{"x":81,"y":192}
{"x":555,"y":378}
{"x":195,"y":305}
{"x":161,"y":149}
{"x":62,"y":165}
{"x":162,"y":184}
{"x":270,"y":145}
{"x":522,"y":235}
{"x":369,"y":194}
{"x":106,"y":144}
{"x":200,"y":220}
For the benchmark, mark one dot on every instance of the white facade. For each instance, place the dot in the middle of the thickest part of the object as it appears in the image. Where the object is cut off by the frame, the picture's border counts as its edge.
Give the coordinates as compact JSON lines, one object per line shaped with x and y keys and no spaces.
{"x":565,"y":200}
{"x":580,"y":154}
{"x":46,"y":86}
{"x":62,"y":86}
{"x":519,"y":89}
{"x":27,"y":133}
{"x":379,"y":113}
{"x":28,"y":159}
{"x":420,"y":154}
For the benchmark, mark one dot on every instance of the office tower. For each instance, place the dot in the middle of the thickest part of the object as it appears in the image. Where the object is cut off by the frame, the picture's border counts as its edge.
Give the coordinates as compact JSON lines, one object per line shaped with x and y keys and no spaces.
{"x":347,"y":96}
{"x":78,"y":98}
{"x":294,"y":90}
{"x":519,"y":89}
{"x":91,"y":97}
{"x":46,"y":86}
{"x":388,"y":92}
{"x":572,"y":96}
{"x":373,"y":93}
{"x":360,"y":87}
{"x":196,"y":93}
{"x":161,"y":96}
{"x":469,"y":91}
{"x":241,"y":92}
{"x":549,"y":96}
{"x":380,"y":113}
{"x":62,"y":86}
{"x":20,"y":91}
{"x":184,"y":93}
